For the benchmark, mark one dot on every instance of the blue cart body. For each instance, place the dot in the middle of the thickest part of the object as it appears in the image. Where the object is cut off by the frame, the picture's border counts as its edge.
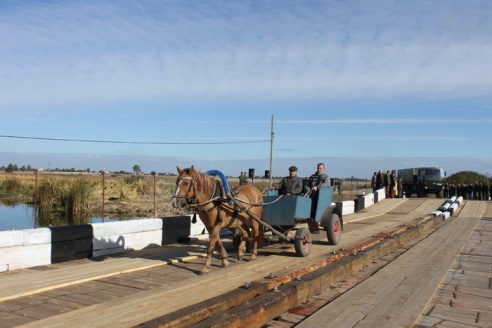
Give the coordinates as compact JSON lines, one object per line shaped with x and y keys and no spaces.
{"x":289,"y":210}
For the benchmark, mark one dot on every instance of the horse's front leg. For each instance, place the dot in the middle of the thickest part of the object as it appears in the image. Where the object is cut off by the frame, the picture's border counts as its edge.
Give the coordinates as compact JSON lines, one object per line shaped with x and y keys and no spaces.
{"x":214,"y":234}
{"x":256,"y":239}
{"x":223,"y":252}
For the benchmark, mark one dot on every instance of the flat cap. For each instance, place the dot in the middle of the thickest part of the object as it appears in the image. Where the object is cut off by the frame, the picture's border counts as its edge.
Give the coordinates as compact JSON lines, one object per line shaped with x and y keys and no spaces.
{"x":292,"y":168}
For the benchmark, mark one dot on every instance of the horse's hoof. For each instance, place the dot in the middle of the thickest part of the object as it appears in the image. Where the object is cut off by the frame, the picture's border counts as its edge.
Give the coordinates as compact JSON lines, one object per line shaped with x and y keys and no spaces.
{"x":239,"y":258}
{"x":204,"y":271}
{"x":253,"y":257}
{"x":225,"y":264}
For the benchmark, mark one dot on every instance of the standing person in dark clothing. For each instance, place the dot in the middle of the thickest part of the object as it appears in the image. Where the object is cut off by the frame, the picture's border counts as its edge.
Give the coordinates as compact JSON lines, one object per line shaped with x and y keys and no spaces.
{"x":373,"y":181}
{"x":291,"y":185}
{"x":452,"y":190}
{"x":243,"y":179}
{"x":392,"y":184}
{"x":379,"y":180}
{"x":387,"y":183}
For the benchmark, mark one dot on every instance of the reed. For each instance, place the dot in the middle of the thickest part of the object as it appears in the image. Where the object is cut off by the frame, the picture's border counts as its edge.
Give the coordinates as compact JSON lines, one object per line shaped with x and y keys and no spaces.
{"x":79,"y":196}
{"x":70,"y":196}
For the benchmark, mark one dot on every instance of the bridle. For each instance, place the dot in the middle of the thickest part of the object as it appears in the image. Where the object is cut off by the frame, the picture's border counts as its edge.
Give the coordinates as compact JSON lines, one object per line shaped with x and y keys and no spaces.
{"x":191,"y":187}
{"x":193,"y":201}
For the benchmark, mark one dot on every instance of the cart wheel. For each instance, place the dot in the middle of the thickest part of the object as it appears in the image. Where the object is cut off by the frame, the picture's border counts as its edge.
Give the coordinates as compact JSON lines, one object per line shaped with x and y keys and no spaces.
{"x":303,"y":242}
{"x":334,"y":229}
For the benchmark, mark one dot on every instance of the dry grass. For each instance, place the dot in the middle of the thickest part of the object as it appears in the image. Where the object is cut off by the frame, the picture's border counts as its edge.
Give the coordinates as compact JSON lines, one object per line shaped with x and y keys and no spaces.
{"x":124,"y":195}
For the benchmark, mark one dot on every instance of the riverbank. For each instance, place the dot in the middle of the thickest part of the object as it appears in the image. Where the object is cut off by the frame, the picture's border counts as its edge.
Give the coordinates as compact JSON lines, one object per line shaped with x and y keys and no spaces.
{"x":114,"y":195}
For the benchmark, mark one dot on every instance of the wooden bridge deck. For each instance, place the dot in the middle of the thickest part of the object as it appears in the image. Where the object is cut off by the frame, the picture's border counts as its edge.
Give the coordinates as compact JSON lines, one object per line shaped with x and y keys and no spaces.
{"x":444,"y":281}
{"x":133,"y":289}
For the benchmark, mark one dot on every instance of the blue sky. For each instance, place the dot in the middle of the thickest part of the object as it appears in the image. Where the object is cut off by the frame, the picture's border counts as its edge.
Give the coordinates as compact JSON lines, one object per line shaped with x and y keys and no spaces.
{"x":359,"y":85}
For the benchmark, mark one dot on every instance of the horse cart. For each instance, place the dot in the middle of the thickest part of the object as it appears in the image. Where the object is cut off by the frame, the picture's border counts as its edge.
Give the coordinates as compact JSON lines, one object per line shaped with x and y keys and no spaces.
{"x":247,"y":212}
{"x":282,"y":215}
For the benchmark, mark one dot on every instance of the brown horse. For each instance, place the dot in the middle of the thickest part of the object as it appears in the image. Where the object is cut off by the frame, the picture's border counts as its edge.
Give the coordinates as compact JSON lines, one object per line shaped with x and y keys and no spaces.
{"x":209,"y":199}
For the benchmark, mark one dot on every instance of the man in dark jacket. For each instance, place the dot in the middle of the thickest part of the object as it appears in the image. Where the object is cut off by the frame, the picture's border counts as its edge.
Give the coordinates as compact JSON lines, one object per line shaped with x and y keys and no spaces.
{"x":291,"y":185}
{"x":318,"y":179}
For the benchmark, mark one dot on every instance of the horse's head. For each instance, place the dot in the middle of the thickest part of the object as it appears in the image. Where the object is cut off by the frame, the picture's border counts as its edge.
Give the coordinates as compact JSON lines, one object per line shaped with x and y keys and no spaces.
{"x":186,"y":190}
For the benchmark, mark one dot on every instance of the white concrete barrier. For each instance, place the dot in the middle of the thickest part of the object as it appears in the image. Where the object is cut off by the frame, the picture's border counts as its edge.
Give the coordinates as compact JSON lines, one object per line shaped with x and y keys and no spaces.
{"x":446,"y":215}
{"x":21,"y":249}
{"x":436,"y":213}
{"x":346,"y":207}
{"x":452,"y":199}
{"x":379,"y":195}
{"x":453,"y":208}
{"x":126,"y":236}
{"x":444,"y":207}
{"x":365,"y":201}
{"x":459,"y":200}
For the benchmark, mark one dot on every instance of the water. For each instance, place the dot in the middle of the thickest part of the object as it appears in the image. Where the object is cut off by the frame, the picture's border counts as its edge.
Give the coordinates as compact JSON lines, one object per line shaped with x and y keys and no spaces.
{"x":19,"y":217}
{"x":16,"y":217}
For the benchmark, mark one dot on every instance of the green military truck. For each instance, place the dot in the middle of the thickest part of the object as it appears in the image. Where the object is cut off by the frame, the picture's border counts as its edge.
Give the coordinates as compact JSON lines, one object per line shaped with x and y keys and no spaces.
{"x":422,"y":181}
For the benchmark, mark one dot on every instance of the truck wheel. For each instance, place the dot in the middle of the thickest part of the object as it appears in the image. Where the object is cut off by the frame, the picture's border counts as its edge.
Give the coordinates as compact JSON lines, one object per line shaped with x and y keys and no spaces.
{"x":303,"y":242}
{"x":334,"y":229}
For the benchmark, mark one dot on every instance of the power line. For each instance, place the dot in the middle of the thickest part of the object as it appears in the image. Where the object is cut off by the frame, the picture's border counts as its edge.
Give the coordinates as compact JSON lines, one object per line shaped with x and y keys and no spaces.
{"x":134,"y":142}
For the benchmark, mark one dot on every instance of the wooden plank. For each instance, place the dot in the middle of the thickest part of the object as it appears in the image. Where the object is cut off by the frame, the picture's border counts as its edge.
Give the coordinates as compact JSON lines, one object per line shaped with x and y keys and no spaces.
{"x":43,"y":310}
{"x":398,"y":293}
{"x":8,"y":319}
{"x":463,"y":316}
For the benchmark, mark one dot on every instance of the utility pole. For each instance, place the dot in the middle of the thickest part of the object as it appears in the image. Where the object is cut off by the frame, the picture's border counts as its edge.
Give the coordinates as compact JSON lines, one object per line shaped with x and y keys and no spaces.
{"x":271,"y":153}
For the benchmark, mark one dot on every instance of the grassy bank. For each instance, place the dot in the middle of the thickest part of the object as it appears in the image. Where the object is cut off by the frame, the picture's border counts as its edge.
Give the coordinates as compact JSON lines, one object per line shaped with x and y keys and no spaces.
{"x":81,"y":194}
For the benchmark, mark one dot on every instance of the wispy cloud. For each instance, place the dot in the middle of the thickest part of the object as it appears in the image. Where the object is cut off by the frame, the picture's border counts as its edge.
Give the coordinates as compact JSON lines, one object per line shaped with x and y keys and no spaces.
{"x":63,"y":52}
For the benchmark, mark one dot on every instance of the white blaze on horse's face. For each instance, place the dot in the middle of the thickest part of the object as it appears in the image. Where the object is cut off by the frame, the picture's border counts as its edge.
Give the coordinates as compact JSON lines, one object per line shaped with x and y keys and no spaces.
{"x":183,"y":188}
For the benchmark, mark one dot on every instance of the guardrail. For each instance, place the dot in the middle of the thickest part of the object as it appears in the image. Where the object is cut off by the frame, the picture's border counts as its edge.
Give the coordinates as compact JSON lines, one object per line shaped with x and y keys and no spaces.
{"x":21,"y":249}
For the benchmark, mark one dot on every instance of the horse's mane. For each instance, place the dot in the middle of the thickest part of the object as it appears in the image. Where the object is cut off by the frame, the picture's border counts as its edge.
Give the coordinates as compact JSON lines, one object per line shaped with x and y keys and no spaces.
{"x":206,"y":181}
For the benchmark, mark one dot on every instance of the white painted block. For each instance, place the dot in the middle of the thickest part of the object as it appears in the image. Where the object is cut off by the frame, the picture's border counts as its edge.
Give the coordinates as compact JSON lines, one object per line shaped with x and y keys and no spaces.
{"x":445,"y":215}
{"x":436,"y":213}
{"x":22,"y":257}
{"x":126,"y":242}
{"x":20,"y":249}
{"x":379,"y":195}
{"x":11,"y":238}
{"x":365,"y":201}
{"x":125,"y":227}
{"x":37,"y":236}
{"x":346,"y":203}
{"x":346,"y":207}
{"x":459,"y":200}
{"x":453,"y":208}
